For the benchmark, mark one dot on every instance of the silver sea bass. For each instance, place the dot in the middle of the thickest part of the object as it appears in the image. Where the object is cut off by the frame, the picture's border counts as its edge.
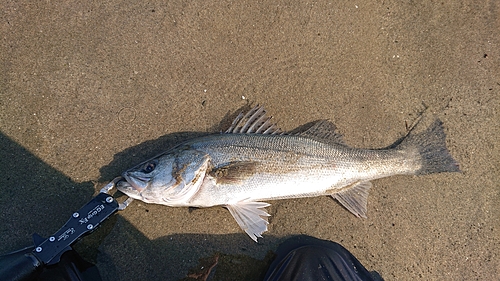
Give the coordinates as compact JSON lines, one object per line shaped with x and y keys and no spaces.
{"x":253,"y":161}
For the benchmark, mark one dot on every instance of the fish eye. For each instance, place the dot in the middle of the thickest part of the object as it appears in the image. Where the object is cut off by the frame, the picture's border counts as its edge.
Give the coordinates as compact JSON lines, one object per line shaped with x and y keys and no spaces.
{"x":149,"y":167}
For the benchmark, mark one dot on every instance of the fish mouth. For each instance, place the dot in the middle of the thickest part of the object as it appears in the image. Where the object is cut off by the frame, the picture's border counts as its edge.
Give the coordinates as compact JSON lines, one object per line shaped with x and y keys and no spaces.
{"x":137,"y":183}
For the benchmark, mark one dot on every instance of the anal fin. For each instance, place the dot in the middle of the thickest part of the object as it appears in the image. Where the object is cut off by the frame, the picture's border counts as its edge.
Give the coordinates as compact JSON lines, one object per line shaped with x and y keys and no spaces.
{"x":354,"y":198}
{"x":250,"y":217}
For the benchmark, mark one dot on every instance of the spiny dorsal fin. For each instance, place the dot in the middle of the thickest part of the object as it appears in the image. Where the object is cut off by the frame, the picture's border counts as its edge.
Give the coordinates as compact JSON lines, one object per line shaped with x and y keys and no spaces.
{"x":255,"y":121}
{"x":354,"y":198}
{"x":323,"y":131}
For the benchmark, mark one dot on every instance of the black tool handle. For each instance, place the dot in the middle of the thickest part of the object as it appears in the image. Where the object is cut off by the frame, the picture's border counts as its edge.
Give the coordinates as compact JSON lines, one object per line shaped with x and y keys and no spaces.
{"x":20,"y":267}
{"x":82,"y":222}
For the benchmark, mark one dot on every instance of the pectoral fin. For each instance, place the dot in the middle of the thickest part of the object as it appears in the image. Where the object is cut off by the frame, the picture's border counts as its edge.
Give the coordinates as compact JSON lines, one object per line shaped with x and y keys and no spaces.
{"x":354,"y":198}
{"x":234,"y":172}
{"x":250,"y":217}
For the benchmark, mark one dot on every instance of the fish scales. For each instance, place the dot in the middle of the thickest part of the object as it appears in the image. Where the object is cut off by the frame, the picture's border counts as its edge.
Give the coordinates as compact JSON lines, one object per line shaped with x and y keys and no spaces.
{"x":289,"y":165}
{"x":254,"y":162}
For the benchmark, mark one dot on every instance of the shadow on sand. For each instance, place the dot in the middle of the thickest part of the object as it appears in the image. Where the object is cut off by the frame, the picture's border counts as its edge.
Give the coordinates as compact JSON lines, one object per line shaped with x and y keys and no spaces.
{"x":37,"y":198}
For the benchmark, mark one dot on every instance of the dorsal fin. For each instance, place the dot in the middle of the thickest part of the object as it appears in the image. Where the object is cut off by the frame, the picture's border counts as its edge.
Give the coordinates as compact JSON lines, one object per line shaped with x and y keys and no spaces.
{"x":255,"y":121}
{"x":323,"y":131}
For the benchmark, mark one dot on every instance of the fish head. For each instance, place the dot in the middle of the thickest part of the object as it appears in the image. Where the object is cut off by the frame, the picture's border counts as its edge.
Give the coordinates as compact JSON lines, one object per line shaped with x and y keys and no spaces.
{"x":147,"y":177}
{"x":169,"y":179}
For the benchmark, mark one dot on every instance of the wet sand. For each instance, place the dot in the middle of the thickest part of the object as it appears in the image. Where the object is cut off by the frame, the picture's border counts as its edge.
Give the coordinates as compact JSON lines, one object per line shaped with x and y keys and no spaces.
{"x":88,"y":90}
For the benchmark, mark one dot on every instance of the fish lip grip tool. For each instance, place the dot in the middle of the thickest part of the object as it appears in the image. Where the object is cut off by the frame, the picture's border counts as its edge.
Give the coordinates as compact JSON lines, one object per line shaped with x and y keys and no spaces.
{"x":27,"y":263}
{"x":82,"y":222}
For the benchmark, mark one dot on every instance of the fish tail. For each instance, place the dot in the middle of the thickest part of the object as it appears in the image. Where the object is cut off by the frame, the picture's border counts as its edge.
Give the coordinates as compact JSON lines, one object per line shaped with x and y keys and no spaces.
{"x":431,"y":146}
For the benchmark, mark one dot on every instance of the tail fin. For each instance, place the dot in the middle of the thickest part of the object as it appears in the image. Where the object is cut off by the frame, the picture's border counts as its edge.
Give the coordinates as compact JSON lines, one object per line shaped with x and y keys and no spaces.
{"x":431,"y":146}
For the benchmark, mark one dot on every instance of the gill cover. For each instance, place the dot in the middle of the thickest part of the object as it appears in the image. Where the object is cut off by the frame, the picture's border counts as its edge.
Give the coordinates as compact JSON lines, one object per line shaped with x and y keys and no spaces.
{"x":190,"y":168}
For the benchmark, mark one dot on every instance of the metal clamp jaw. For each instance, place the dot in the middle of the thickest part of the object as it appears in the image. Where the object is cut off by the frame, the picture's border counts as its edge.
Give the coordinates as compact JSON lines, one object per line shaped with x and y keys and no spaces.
{"x":107,"y":188}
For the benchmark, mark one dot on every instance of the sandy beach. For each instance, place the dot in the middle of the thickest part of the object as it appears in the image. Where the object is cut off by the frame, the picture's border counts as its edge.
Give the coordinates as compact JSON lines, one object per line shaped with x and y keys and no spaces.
{"x":89,"y":89}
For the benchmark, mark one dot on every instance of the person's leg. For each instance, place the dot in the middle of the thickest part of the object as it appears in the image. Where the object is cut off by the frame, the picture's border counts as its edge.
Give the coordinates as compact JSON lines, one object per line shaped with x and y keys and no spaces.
{"x":307,"y":258}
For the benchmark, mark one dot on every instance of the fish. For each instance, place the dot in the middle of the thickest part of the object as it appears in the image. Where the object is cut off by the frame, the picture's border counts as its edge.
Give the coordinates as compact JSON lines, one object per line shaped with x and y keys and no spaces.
{"x":254,"y":161}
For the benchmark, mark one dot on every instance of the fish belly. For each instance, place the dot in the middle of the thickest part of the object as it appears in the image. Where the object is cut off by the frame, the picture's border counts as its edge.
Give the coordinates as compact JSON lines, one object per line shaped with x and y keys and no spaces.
{"x":265,"y":186}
